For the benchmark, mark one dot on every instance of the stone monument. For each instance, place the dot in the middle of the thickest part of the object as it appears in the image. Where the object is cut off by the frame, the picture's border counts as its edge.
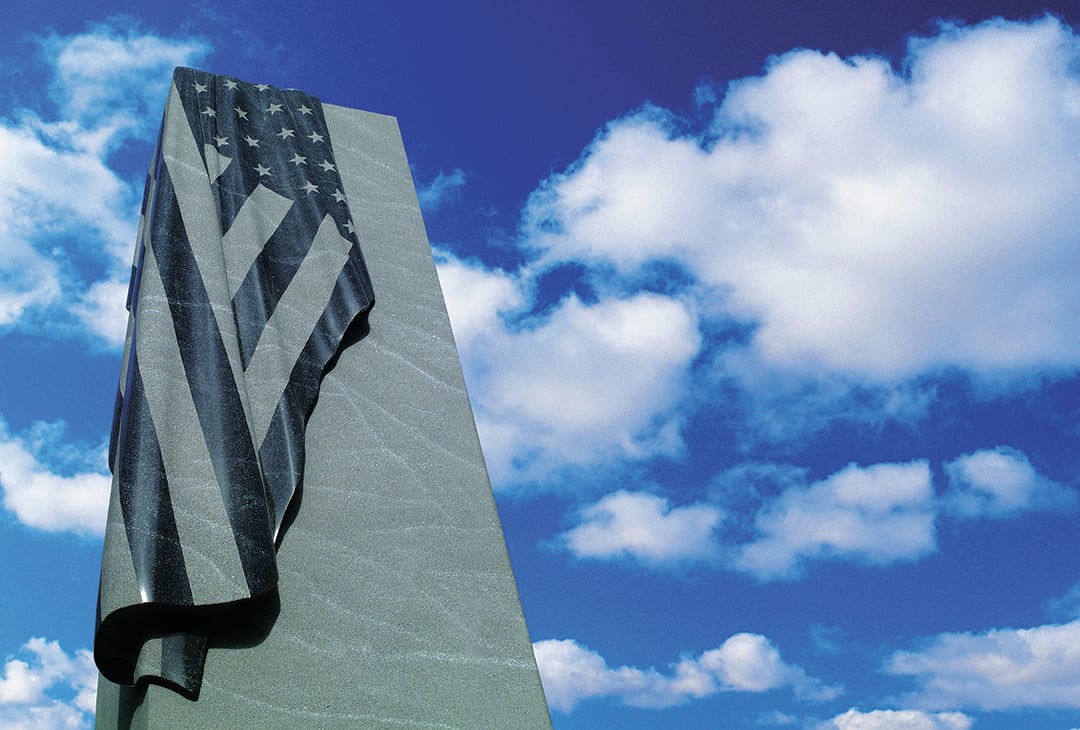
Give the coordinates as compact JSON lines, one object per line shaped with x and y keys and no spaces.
{"x":356,"y":578}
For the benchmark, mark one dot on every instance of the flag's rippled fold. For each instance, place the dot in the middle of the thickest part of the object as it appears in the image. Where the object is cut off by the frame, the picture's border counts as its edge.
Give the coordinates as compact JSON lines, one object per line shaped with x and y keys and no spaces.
{"x":247,"y":273}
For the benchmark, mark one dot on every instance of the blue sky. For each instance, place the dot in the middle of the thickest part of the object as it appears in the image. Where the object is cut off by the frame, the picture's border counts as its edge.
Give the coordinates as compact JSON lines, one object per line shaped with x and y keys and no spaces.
{"x":767,"y":312}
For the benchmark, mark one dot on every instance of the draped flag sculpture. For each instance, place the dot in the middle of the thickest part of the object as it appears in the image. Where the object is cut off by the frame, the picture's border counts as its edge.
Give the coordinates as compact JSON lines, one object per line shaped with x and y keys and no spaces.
{"x":248,"y":275}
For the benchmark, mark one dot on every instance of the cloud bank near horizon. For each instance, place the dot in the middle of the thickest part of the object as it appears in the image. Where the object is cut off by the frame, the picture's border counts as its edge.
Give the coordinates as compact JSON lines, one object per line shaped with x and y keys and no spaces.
{"x":874,"y":515}
{"x":744,"y":662}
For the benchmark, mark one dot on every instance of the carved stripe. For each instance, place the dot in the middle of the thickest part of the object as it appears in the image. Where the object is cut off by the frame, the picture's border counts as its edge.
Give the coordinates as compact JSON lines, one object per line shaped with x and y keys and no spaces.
{"x":290,"y":326}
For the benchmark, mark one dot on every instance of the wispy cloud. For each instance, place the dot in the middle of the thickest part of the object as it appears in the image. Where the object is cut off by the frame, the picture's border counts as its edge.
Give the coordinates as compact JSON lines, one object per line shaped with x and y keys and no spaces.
{"x":898,"y":720}
{"x":1066,"y":607}
{"x":444,"y":188}
{"x":114,"y":77}
{"x":572,"y":673}
{"x":67,"y":217}
{"x":52,"y":485}
{"x":29,"y":688}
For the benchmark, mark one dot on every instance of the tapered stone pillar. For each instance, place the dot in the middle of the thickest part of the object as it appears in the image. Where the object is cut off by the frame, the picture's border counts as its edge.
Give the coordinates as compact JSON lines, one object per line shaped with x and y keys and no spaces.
{"x":396,"y":604}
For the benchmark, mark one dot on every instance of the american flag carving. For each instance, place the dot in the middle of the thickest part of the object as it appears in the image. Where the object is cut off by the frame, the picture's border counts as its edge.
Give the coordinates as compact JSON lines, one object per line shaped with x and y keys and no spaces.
{"x":247,"y":274}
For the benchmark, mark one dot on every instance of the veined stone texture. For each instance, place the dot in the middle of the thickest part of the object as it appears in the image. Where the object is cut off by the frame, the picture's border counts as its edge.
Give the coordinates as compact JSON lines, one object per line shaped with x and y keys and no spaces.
{"x":398,"y":607}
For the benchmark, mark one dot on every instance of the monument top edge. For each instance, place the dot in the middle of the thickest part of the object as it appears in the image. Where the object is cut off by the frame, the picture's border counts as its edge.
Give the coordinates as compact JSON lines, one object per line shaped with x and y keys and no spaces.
{"x":181,"y":69}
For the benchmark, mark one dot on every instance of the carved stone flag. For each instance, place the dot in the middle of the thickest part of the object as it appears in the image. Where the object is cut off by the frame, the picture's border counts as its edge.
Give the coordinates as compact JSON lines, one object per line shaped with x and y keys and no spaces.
{"x":246,"y":276}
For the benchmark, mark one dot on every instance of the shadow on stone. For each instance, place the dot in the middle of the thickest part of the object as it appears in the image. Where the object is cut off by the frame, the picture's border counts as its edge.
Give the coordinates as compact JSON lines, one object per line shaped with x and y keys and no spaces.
{"x":356,"y":331}
{"x":239,"y":625}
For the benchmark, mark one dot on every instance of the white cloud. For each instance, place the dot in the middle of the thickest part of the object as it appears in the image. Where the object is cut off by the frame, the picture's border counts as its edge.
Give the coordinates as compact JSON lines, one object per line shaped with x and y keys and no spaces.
{"x":775,"y":717}
{"x":878,"y":514}
{"x":589,"y":383}
{"x":1001,"y":482}
{"x":645,"y":527}
{"x":61,"y":201}
{"x":898,"y":720}
{"x":110,"y":77}
{"x":446,"y":187}
{"x":48,"y":188}
{"x":868,"y":222}
{"x":476,"y":297}
{"x":766,"y":520}
{"x":30,"y":279}
{"x":999,"y":669}
{"x":41,"y":497}
{"x":25,"y":701}
{"x":581,"y":384}
{"x":103,"y":310}
{"x":572,"y":673}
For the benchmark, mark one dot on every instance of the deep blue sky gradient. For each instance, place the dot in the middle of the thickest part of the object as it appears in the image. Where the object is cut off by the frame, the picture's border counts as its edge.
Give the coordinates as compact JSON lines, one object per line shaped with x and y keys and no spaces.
{"x":511,"y":94}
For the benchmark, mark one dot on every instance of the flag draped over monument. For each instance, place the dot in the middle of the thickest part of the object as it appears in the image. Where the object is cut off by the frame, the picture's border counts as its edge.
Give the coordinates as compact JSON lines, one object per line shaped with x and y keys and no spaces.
{"x":247,"y":274}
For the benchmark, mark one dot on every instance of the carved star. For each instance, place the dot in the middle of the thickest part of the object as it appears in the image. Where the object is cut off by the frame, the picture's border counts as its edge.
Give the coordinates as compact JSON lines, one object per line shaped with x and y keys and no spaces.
{"x":230,"y":84}
{"x":304,"y":109}
{"x":315,"y":137}
{"x":338,"y":195}
{"x":240,"y":112}
{"x":251,"y":141}
{"x":199,"y":88}
{"x":285,"y":132}
{"x":349,"y":227}
{"x":298,"y":159}
{"x":221,"y":141}
{"x":262,"y":170}
{"x":273,"y":109}
{"x":310,"y":187}
{"x":209,"y":111}
{"x":327,"y":165}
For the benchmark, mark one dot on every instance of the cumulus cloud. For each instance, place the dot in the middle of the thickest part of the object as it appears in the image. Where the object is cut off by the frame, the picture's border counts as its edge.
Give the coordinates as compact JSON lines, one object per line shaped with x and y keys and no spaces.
{"x":878,"y":514}
{"x":476,"y":298}
{"x":745,"y":662}
{"x":856,"y":228}
{"x":898,"y":720}
{"x":51,"y":485}
{"x":590,"y":382}
{"x":996,"y":670}
{"x":1001,"y":482}
{"x":862,"y":220}
{"x":26,"y":702}
{"x":111,"y":77}
{"x":580,"y":384}
{"x":644,"y":527}
{"x":67,"y":218}
{"x":767,"y":521}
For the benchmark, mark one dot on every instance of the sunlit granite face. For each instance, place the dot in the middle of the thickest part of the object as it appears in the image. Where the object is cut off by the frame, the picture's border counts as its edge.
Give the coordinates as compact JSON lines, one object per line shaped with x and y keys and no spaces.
{"x":397,"y":604}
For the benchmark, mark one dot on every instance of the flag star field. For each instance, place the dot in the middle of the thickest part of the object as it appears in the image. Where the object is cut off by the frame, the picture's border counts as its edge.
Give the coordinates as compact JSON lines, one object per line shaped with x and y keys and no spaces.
{"x":767,"y":312}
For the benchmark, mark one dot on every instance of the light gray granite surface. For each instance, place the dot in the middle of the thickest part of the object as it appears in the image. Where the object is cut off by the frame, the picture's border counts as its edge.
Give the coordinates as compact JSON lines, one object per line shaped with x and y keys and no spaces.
{"x":398,"y":607}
